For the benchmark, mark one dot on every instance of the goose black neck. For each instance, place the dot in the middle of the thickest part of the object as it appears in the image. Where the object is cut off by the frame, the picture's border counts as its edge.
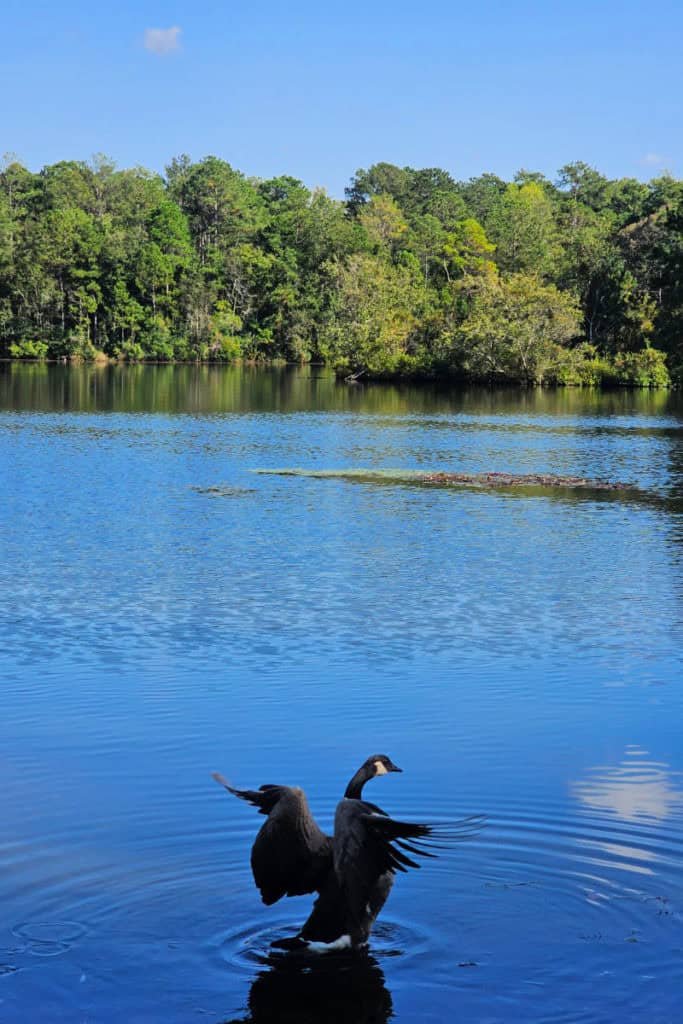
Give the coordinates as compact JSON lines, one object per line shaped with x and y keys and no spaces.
{"x":354,"y":790}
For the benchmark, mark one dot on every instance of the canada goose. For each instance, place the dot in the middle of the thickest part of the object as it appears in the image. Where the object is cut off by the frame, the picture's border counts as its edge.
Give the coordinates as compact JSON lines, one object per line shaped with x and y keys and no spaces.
{"x":352,"y":871}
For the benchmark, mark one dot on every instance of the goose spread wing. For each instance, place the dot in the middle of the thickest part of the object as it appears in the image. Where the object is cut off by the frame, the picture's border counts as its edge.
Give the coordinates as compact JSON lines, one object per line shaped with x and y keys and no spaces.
{"x":368,"y":844}
{"x":290,"y":856}
{"x":364,"y":851}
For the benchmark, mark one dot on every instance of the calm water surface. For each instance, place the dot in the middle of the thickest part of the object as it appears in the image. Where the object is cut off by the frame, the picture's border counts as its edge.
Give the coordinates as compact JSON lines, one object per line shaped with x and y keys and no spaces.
{"x":167,"y":612}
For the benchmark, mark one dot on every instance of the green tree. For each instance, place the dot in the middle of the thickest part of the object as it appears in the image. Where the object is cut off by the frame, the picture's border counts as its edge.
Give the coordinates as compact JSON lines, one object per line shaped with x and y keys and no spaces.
{"x":481,"y":194}
{"x":384,"y":223}
{"x":522,"y":227}
{"x":373,"y":318}
{"x":583,"y":184}
{"x":515,"y":327}
{"x":380,"y":179}
{"x":166,"y":254}
{"x":222,"y":207}
{"x":414,"y":272}
{"x":617,"y":312}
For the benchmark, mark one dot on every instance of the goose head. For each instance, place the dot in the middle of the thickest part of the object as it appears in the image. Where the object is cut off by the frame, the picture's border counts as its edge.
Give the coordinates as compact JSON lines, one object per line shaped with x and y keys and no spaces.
{"x":376,"y":764}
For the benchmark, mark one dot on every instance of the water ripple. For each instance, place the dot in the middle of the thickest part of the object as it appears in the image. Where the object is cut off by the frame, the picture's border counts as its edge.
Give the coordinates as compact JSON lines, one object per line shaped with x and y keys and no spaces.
{"x":167,"y":613}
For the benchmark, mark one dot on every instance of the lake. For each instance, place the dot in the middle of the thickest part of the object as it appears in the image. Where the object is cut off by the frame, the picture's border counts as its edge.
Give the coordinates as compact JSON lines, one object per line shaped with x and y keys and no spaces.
{"x":168,"y":612}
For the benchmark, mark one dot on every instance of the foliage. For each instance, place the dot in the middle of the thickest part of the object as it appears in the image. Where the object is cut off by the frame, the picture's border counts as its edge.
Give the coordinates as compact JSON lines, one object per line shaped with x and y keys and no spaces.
{"x":644,"y":369}
{"x":374,"y":314}
{"x":28,"y":349}
{"x":520,"y":224}
{"x":515,"y":327}
{"x":583,"y":366}
{"x":572,"y":282}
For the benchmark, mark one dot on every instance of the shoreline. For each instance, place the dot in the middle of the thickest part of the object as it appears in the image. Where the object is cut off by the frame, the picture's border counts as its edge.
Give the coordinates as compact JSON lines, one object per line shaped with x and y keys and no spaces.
{"x":394,"y":379}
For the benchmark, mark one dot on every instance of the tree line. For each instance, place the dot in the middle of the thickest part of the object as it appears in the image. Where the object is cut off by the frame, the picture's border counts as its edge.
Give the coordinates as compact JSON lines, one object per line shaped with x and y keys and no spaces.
{"x":572,"y":281}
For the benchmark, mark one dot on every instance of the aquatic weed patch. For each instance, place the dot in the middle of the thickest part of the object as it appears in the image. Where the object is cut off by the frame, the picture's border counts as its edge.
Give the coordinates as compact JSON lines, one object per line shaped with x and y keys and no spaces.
{"x":495,"y":480}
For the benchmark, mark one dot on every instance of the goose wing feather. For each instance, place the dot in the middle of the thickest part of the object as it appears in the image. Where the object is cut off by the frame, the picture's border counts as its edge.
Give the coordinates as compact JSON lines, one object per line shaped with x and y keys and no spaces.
{"x":290,"y":855}
{"x":367,"y":845}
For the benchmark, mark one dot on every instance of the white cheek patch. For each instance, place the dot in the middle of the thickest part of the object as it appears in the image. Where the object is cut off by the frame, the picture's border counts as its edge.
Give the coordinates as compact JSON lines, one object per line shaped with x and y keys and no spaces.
{"x":380,"y":769}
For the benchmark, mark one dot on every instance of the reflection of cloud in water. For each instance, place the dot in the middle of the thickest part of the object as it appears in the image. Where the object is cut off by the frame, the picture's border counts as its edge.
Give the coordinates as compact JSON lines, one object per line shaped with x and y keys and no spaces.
{"x":627,"y":857}
{"x":634,"y":790}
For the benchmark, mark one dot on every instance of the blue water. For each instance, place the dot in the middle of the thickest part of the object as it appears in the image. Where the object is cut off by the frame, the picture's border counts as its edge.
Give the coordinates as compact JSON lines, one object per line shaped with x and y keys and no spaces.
{"x":167,"y":612}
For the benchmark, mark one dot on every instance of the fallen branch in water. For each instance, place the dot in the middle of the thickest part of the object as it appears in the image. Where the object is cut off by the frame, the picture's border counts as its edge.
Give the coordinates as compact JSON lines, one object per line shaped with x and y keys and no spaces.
{"x":353,"y":378}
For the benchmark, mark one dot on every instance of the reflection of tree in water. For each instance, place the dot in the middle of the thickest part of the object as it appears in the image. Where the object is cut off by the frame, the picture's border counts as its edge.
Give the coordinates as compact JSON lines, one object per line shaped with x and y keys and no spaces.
{"x":343,"y":989}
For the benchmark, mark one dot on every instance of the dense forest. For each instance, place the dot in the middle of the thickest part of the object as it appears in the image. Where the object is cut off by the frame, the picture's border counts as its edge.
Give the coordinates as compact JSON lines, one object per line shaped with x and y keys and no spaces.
{"x":576,"y":281}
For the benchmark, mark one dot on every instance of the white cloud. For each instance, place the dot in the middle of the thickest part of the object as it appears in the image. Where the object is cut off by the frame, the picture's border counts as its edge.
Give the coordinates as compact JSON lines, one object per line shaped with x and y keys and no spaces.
{"x":653,"y":159}
{"x":162,"y":40}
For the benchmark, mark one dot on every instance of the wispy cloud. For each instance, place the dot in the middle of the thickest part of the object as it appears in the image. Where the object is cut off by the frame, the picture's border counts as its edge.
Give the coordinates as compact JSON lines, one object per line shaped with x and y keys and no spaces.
{"x":162,"y":40}
{"x":653,"y":159}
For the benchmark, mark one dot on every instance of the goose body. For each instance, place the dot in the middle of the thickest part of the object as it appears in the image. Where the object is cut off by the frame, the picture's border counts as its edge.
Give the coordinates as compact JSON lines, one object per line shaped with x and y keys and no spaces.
{"x":352,"y":871}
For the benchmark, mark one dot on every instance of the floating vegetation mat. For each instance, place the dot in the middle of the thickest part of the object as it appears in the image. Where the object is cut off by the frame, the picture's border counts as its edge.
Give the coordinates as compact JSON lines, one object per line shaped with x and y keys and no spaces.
{"x":223,"y":491}
{"x":442,"y":479}
{"x":523,"y":480}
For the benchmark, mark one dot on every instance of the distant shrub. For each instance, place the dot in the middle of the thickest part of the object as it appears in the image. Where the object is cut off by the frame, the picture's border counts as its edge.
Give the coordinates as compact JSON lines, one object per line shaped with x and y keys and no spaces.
{"x":131,"y":351}
{"x":157,"y":342}
{"x":580,"y":367}
{"x":257,"y":345}
{"x":223,"y":342}
{"x":28,"y":350}
{"x":76,"y":347}
{"x":645,"y":369}
{"x":584,"y":367}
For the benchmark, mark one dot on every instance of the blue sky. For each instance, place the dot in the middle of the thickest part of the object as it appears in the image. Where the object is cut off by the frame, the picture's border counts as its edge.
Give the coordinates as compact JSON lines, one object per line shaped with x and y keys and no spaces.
{"x":318,"y":90}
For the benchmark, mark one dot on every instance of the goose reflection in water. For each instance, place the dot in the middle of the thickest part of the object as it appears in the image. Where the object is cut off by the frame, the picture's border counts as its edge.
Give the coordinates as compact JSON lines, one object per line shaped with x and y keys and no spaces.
{"x":346,"y":988}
